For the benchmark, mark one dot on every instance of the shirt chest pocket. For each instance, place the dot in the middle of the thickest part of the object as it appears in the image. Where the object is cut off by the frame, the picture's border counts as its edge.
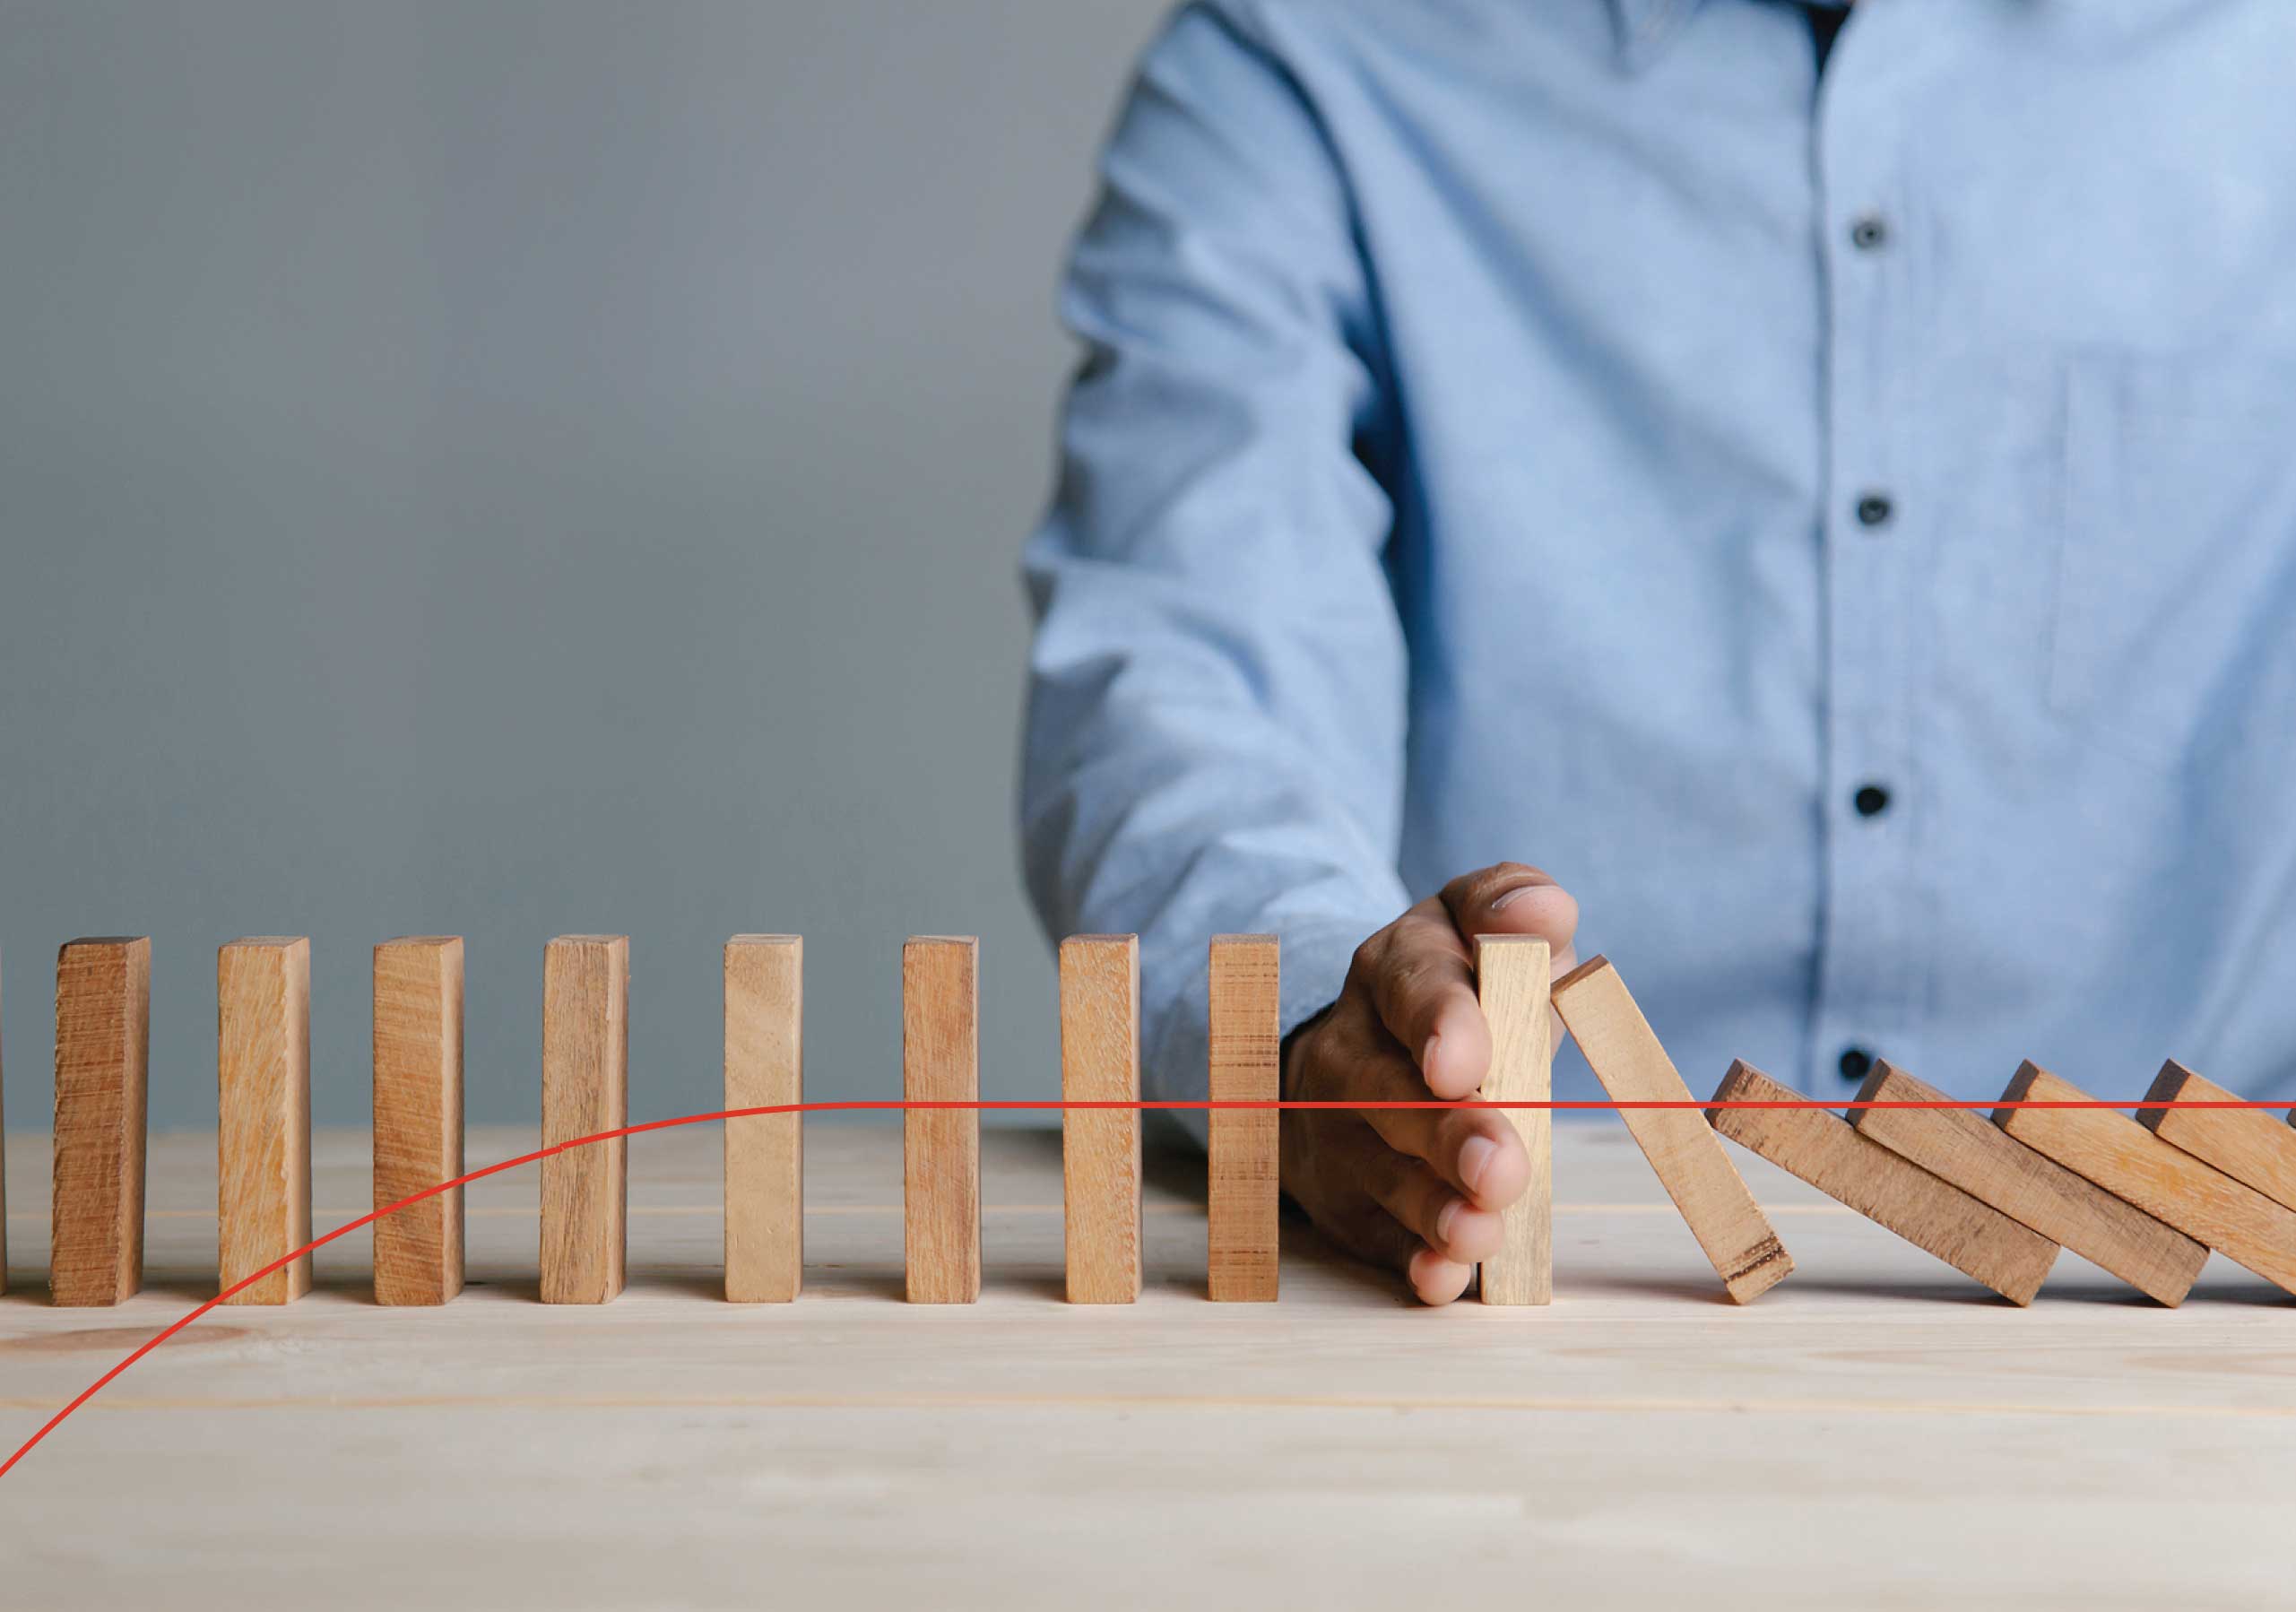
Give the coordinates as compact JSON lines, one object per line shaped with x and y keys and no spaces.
{"x":2175,"y":613}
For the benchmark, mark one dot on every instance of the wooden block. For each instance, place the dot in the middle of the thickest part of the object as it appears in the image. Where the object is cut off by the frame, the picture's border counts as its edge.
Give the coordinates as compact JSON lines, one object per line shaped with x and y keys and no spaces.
{"x":2247,"y":1144}
{"x":419,"y":1117}
{"x":103,"y":1034}
{"x":1958,"y":1146}
{"x":1512,"y":973}
{"x":1626,"y":1057}
{"x":1100,"y":1147}
{"x":2131,"y":1162}
{"x":765,"y":1153}
{"x":941,"y":1148}
{"x":585,"y":1091}
{"x":1826,"y":1152}
{"x":263,"y":1063}
{"x":1245,"y":1055}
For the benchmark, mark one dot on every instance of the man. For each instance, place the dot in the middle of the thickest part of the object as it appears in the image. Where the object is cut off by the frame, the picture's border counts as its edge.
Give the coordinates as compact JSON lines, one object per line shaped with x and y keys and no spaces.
{"x":1819,"y":482}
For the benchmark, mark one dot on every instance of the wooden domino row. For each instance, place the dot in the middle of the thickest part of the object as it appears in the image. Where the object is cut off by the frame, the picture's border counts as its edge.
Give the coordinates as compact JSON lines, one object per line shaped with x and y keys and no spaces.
{"x":264,"y":1150}
{"x":2146,"y":1199}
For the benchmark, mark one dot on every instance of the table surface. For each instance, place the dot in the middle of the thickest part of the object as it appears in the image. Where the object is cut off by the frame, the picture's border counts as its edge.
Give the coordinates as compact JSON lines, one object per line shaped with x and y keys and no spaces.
{"x":1877,"y":1430}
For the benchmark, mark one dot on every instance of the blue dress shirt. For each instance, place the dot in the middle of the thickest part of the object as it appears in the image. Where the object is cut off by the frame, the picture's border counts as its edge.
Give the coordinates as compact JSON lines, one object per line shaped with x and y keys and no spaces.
{"x":1844,"y":526}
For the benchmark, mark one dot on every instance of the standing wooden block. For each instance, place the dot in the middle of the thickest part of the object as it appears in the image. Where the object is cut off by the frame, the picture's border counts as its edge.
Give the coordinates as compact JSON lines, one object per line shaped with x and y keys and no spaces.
{"x":1959,"y":1147}
{"x":263,"y":1061}
{"x":941,"y":1148}
{"x":417,"y":1117}
{"x":1512,"y":973}
{"x":2131,"y":1162}
{"x":1246,"y":1051}
{"x":103,"y":1033}
{"x":1823,"y":1151}
{"x":2247,"y":1144}
{"x":1100,"y":1147}
{"x":765,"y":1153}
{"x":585,"y":1091}
{"x":1626,"y":1057}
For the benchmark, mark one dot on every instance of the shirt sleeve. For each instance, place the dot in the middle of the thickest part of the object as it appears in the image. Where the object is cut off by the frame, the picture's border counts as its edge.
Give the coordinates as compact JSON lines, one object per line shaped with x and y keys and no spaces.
{"x":1217,"y":682}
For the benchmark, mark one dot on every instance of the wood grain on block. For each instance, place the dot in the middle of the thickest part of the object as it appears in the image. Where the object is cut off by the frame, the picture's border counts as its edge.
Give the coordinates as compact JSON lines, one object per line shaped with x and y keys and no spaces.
{"x":585,"y":1091}
{"x":941,"y":1148}
{"x":1245,"y":1051}
{"x":417,"y":1118}
{"x":1100,"y":1147}
{"x":1958,"y":1146}
{"x":103,"y":1033}
{"x":262,"y":1059}
{"x":2131,"y":1162}
{"x":2250,"y":1145}
{"x":1823,"y":1149}
{"x":1626,"y":1057}
{"x":765,"y":1153}
{"x":1512,"y":973}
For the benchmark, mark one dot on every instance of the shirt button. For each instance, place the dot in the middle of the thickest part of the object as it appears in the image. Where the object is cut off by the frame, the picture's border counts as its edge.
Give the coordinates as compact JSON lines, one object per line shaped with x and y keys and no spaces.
{"x":1871,"y":800}
{"x":1856,"y":1063}
{"x":1875,"y":509}
{"x":1868,"y":233}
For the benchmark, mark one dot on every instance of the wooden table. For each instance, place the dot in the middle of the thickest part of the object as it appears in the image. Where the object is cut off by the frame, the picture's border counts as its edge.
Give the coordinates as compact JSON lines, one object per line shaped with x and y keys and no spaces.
{"x":1877,"y":1430}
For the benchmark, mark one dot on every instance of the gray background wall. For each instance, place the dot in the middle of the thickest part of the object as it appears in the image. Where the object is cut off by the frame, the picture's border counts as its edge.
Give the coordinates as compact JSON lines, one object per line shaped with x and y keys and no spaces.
{"x":510,"y":469}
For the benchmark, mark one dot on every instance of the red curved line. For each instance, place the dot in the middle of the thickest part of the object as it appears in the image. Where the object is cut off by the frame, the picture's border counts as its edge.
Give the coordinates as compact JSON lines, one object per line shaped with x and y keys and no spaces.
{"x":1005,"y":1104}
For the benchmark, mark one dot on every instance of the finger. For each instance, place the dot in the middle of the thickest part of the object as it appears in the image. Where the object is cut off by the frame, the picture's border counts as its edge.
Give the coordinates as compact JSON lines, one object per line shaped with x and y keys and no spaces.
{"x":1475,"y":1150}
{"x":1434,"y":1280}
{"x":1378,"y":1237}
{"x":1423,"y":1202}
{"x":1421,"y":981}
{"x":1510,"y":898}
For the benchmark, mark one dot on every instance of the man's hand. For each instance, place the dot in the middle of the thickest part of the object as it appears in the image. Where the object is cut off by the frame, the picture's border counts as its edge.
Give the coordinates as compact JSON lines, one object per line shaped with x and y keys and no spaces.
{"x":1418,"y":1189}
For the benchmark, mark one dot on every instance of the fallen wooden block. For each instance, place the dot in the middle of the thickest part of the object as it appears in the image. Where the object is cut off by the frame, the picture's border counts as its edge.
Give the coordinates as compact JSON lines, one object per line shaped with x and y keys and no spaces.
{"x":1512,"y":976}
{"x":941,"y":1148}
{"x":1958,"y":1146}
{"x":1627,"y":1057}
{"x":417,"y":1117}
{"x":585,"y":1091}
{"x":2247,"y":1144}
{"x":263,"y":992}
{"x":103,"y":1033}
{"x":1245,"y":1056}
{"x":765,"y":1153}
{"x":1100,"y":1147}
{"x":2131,"y":1162}
{"x":1825,"y":1151}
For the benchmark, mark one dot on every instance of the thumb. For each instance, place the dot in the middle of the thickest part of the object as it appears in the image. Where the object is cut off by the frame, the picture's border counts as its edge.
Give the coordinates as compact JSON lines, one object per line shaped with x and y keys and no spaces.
{"x":1510,"y":898}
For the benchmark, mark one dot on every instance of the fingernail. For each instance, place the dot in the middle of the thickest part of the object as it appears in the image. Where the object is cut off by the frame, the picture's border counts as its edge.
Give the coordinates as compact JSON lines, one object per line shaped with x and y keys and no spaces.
{"x":1443,"y":1219}
{"x":1500,"y":905}
{"x":1474,"y":1158}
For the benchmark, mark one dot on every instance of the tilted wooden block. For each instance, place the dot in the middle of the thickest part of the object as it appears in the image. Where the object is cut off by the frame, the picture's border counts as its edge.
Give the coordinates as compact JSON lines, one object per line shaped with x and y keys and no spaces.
{"x":1512,"y":973}
{"x":1100,"y":1147}
{"x":2131,"y":1162}
{"x":103,"y":1033}
{"x":941,"y":1148}
{"x":2250,"y":1145}
{"x":1825,"y":1151}
{"x":585,"y":1091}
{"x":417,"y":1118}
{"x":1626,"y":1057}
{"x":1245,"y":1051}
{"x":263,"y":992}
{"x":1957,"y":1146}
{"x":765,"y":1153}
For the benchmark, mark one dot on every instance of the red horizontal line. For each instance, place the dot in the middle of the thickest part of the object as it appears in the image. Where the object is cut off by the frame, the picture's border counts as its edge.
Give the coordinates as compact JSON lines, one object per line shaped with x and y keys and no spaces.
{"x":1037,"y":1104}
